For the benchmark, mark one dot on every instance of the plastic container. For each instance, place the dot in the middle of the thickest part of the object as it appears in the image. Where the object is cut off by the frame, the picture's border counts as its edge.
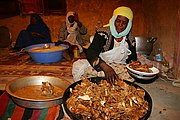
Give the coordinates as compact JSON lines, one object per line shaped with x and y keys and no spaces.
{"x":76,"y":53}
{"x":159,"y":58}
{"x":45,"y":57}
{"x":159,"y":55}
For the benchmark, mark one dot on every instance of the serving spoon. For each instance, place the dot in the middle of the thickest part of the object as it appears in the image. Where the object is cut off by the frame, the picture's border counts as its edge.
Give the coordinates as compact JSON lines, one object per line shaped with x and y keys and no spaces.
{"x":46,"y":46}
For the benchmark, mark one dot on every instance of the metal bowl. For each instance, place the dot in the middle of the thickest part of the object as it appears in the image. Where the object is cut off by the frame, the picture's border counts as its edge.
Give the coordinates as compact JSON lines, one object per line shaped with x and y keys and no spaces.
{"x":19,"y":83}
{"x":73,"y":116}
{"x":144,"y":44}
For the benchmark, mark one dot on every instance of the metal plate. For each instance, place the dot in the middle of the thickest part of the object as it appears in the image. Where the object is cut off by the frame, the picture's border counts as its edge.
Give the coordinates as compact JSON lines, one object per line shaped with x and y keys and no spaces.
{"x":67,"y":92}
{"x":19,"y":83}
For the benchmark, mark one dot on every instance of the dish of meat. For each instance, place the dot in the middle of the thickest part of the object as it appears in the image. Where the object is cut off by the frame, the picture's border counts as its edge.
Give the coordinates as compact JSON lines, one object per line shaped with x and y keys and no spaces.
{"x":40,"y":92}
{"x":142,"y":69}
{"x":99,"y":100}
{"x":37,"y":92}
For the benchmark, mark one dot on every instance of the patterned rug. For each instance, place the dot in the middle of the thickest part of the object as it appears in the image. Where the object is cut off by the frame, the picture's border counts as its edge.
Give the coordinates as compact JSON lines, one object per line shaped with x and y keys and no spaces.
{"x":17,"y":65}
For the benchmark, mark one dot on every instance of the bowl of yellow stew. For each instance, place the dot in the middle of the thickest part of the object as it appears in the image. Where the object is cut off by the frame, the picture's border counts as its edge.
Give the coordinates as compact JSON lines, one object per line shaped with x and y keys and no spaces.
{"x":46,"y":53}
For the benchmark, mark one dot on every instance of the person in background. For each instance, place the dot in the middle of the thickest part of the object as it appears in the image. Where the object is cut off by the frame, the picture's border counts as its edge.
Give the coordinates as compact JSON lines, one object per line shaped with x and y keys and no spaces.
{"x":74,"y":34}
{"x":113,"y":46}
{"x":37,"y":32}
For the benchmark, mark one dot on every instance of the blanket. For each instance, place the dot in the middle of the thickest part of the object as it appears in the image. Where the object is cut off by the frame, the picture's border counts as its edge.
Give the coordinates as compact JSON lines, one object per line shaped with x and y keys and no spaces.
{"x":10,"y":110}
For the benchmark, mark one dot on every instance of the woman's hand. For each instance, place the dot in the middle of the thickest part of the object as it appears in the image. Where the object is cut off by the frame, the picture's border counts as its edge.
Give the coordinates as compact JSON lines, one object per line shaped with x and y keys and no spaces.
{"x":109,"y":73}
{"x":76,"y":19}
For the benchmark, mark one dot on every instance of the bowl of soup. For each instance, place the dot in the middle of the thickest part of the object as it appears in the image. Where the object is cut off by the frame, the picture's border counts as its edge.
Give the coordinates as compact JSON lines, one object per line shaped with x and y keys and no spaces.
{"x":46,"y":53}
{"x":37,"y":91}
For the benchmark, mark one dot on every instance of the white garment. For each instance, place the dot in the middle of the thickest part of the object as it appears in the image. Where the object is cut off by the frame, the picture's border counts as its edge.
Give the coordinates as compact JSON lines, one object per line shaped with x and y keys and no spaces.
{"x":78,"y":68}
{"x":119,"y":54}
{"x":71,"y":38}
{"x":112,"y":56}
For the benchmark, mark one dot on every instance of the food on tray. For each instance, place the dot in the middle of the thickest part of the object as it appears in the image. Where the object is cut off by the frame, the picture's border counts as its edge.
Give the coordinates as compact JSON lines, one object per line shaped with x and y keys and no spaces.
{"x":137,"y":65}
{"x":47,"y":89}
{"x":44,"y":91}
{"x":103,"y":101}
{"x":50,"y":49}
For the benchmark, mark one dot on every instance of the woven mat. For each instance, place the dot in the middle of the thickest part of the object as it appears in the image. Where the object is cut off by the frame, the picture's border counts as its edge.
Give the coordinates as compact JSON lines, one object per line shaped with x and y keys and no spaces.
{"x":13,"y":66}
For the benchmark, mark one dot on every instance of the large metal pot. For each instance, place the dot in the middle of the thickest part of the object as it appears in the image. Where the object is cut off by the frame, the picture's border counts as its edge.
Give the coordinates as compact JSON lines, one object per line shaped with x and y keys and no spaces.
{"x":96,"y":80}
{"x":19,"y":83}
{"x":144,"y":44}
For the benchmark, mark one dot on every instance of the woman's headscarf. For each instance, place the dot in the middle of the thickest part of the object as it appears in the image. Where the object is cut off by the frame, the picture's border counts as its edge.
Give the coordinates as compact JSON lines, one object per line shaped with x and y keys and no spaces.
{"x":68,"y":24}
{"x":71,"y":38}
{"x":40,"y":27}
{"x":123,"y":11}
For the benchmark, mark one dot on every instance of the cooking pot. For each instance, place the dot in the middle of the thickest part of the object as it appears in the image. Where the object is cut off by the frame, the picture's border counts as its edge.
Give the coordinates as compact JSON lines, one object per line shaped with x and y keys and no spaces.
{"x":19,"y":83}
{"x":144,"y":44}
{"x":46,"y":57}
{"x":96,"y":80}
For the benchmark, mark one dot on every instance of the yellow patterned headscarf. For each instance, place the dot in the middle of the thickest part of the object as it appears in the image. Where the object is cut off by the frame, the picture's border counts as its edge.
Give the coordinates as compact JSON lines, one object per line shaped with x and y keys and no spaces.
{"x":123,"y":11}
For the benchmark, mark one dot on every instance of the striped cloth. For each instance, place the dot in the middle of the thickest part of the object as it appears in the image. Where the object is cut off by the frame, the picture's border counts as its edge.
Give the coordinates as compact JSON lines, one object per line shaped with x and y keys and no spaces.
{"x":9,"y":110}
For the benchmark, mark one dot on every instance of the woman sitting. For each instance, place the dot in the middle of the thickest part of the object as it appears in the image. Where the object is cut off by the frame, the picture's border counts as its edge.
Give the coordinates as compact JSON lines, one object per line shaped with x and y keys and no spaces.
{"x":113,"y":46}
{"x":74,"y":34}
{"x":36,"y":32}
